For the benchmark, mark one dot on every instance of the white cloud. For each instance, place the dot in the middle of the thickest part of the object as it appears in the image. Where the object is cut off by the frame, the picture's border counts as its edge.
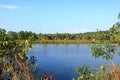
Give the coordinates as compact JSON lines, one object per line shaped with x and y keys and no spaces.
{"x":71,"y":30}
{"x":80,"y":30}
{"x":9,"y":6}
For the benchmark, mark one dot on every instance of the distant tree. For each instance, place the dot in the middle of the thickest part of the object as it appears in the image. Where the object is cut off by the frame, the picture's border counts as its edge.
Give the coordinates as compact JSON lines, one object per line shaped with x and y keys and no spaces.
{"x":2,"y":34}
{"x":21,"y":35}
{"x":12,"y":35}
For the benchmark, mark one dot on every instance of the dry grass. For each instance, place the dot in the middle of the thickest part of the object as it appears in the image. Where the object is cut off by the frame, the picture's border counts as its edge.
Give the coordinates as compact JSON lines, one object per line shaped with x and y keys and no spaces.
{"x":113,"y":73}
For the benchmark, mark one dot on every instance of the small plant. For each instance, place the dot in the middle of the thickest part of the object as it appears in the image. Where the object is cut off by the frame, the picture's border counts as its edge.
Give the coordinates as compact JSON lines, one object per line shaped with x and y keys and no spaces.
{"x":110,"y":72}
{"x":85,"y":73}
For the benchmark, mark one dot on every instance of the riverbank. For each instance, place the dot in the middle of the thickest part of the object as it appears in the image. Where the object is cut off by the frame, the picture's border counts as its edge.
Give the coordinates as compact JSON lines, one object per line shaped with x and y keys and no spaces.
{"x":67,"y":41}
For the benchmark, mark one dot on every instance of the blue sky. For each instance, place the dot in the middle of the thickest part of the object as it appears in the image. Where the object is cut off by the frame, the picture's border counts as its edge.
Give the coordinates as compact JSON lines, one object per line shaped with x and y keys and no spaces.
{"x":58,"y":16}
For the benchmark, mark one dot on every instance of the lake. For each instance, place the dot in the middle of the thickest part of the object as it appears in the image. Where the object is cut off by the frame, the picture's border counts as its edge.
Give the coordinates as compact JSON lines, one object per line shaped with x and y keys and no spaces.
{"x":62,"y":59}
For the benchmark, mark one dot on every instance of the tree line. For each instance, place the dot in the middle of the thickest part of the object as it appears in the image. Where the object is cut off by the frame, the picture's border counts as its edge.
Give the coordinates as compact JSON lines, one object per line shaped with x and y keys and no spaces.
{"x":111,"y":35}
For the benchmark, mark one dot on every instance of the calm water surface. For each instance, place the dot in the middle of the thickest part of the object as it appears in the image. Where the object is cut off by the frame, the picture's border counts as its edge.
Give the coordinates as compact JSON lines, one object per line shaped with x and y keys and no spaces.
{"x":62,"y":60}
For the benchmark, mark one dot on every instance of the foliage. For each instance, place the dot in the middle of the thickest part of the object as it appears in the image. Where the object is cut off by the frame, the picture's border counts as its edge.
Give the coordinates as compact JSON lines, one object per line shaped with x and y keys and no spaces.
{"x":13,"y":60}
{"x":110,"y":72}
{"x":14,"y":63}
{"x":85,"y":73}
{"x":106,"y":51}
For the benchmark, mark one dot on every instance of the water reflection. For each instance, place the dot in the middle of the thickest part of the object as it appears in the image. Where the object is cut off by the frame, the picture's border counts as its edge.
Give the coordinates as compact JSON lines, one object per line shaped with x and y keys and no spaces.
{"x":61,"y":59}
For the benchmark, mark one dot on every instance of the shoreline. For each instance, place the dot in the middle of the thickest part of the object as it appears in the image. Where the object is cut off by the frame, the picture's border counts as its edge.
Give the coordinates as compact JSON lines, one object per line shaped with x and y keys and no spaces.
{"x":66,"y":41}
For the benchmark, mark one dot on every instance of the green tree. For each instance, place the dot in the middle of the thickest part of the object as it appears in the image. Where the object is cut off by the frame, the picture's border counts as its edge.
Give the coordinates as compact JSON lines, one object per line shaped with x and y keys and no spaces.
{"x":21,"y":35}
{"x":12,"y":35}
{"x":14,"y":63}
{"x":2,"y":34}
